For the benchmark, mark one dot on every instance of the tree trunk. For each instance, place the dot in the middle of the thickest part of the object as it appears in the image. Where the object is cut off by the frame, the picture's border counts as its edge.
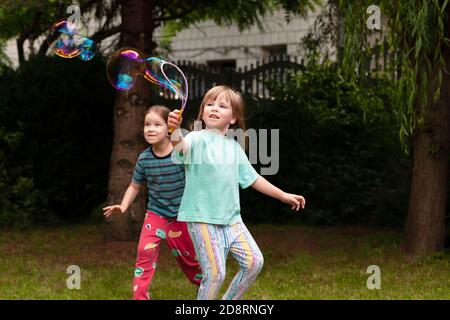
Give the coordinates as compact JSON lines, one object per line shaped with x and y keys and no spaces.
{"x":20,"y":53}
{"x":425,"y":225}
{"x":137,"y":32}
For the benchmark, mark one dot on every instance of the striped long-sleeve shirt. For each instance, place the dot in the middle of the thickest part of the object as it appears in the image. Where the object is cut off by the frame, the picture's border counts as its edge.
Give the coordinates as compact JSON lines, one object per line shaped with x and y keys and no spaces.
{"x":165,"y":182}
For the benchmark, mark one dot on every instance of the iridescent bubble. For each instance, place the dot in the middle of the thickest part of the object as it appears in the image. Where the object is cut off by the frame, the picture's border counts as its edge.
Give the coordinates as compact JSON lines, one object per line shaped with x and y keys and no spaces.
{"x":88,"y":49}
{"x":123,"y":68}
{"x":67,"y":42}
{"x":126,"y":64}
{"x":63,"y":38}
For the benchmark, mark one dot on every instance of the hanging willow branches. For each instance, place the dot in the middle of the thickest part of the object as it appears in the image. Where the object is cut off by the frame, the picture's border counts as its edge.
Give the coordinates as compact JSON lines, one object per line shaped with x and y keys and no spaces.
{"x":416,"y":33}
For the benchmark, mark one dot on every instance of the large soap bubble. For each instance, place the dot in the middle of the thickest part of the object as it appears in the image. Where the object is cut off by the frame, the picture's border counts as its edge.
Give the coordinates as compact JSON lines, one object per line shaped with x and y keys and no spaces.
{"x":126,"y":64}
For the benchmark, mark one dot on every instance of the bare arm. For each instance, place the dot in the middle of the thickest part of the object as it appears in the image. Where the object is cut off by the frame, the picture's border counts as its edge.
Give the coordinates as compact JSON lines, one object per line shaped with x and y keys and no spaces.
{"x":265,"y":187}
{"x":176,"y":137}
{"x":128,"y":198}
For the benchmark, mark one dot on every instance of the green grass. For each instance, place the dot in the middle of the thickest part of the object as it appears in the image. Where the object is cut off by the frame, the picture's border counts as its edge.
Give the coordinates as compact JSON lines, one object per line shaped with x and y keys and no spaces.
{"x":300,"y":263}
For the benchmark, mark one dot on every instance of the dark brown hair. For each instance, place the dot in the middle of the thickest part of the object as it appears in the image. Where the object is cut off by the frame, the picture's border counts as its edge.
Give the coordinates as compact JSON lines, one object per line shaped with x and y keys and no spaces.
{"x":162,"y":111}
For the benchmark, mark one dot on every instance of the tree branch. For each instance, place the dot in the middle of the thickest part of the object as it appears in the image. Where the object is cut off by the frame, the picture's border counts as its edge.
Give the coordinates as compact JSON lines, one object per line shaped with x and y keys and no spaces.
{"x":20,"y":53}
{"x":103,"y":34}
{"x":181,"y":14}
{"x":44,"y":46}
{"x":25,"y":34}
{"x":99,"y":35}
{"x":110,"y":14}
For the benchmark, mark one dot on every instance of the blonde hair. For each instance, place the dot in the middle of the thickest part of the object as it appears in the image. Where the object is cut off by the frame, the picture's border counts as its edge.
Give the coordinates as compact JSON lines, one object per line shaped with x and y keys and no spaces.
{"x":236,"y":101}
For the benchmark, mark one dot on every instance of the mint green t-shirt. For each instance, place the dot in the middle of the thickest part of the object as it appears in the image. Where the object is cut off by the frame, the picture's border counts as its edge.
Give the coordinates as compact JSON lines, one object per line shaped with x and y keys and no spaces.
{"x":215,"y":167}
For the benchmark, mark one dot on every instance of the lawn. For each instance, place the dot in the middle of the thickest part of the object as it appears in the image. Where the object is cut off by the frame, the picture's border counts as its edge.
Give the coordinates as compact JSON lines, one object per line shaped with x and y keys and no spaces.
{"x":300,"y":263}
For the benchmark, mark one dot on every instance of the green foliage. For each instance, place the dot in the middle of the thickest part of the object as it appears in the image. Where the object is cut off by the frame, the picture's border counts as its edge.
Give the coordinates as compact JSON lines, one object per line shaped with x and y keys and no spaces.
{"x":34,"y":17}
{"x":21,"y":204}
{"x":338,"y":148}
{"x":417,"y":33}
{"x":62,"y":110}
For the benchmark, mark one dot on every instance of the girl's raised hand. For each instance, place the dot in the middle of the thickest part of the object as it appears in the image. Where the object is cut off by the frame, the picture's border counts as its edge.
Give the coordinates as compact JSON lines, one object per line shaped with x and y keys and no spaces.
{"x":109,"y":210}
{"x":174,"y":120}
{"x":296,"y":201}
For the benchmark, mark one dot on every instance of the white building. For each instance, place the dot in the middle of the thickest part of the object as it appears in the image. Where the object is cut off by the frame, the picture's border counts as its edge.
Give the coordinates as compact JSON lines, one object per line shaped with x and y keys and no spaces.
{"x":207,"y":43}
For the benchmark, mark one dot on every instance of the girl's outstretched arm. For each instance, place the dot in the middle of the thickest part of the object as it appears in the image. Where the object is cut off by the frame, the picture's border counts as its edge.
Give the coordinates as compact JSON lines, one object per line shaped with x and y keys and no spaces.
{"x":264,"y":186}
{"x":128,"y":199}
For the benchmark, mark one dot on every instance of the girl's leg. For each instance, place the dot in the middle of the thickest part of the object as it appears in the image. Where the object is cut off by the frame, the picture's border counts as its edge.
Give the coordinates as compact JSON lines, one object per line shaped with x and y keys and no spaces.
{"x":249,"y":257}
{"x":147,"y":255}
{"x":209,"y":246}
{"x":180,"y":243}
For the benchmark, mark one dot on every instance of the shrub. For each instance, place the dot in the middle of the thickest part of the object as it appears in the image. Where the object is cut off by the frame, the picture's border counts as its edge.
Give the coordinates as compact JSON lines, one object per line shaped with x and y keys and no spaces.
{"x":63,"y":109}
{"x":21,"y":205}
{"x":338,"y":147}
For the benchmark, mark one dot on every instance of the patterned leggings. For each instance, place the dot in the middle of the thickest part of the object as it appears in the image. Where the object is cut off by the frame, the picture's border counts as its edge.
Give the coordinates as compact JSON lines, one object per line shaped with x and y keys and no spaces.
{"x":212,"y":244}
{"x":154,"y":229}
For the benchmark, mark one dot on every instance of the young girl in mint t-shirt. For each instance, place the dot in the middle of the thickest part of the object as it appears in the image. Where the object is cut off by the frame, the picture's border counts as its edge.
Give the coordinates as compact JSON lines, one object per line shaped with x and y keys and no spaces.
{"x":216,"y":166}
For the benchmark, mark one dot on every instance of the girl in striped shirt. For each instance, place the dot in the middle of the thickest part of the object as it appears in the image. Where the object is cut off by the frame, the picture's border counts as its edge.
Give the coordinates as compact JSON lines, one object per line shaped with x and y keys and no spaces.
{"x":165,"y":184}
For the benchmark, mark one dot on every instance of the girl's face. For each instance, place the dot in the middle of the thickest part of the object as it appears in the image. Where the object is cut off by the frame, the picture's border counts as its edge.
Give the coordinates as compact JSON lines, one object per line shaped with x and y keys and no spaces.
{"x":155,"y":128}
{"x":218,"y":114}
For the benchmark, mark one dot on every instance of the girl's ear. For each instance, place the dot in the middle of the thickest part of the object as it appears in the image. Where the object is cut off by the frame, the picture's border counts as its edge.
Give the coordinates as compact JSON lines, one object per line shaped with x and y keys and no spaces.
{"x":233,"y":121}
